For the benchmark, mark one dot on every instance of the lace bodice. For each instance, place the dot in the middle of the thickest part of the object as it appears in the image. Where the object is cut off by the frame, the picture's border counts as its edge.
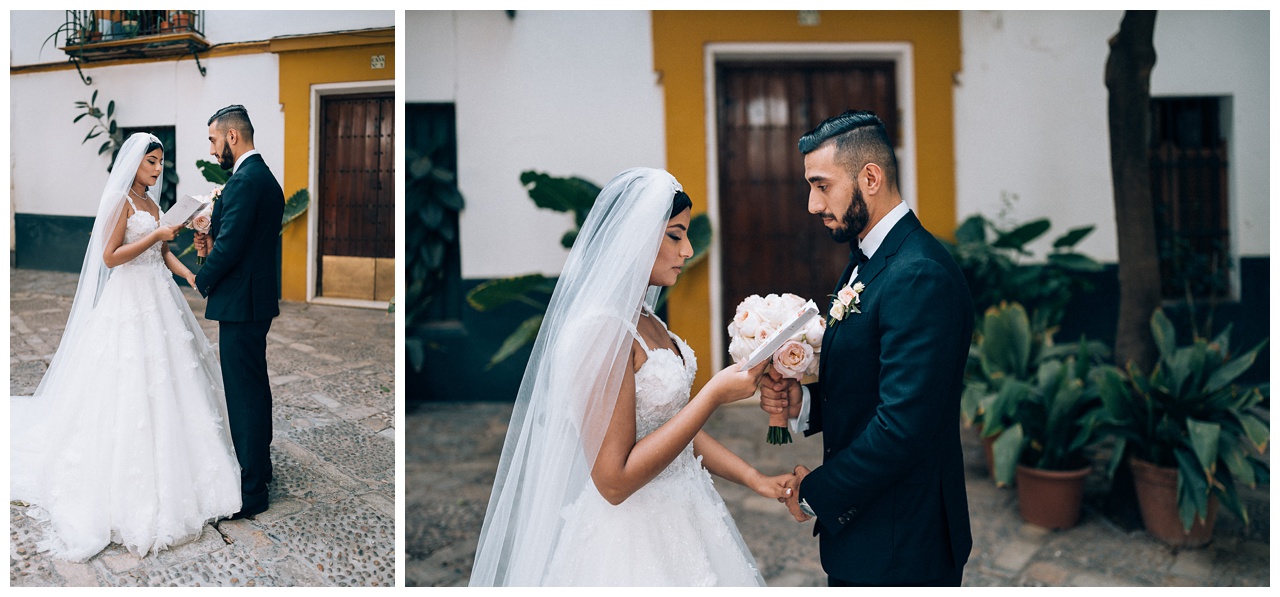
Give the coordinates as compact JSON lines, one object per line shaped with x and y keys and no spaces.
{"x":662,"y":385}
{"x":137,"y":226}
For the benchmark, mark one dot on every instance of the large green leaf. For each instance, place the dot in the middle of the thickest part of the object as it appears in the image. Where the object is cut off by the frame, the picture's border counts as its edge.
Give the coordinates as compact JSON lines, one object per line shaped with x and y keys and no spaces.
{"x":526,"y":333}
{"x":1204,"y":442}
{"x":973,"y":230}
{"x":1072,"y":237}
{"x":1257,"y":431}
{"x":1193,"y":489}
{"x":1020,"y":236}
{"x":1077,"y":262}
{"x":1237,"y":462}
{"x":1162,"y":332}
{"x":1233,"y":369}
{"x":501,"y":291}
{"x":1006,"y":341}
{"x":567,"y":194}
{"x":294,"y":206}
{"x":1005,"y":451}
{"x":213,"y":172}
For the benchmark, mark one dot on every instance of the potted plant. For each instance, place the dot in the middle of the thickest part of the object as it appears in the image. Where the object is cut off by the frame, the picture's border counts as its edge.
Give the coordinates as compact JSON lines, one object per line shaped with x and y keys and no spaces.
{"x":128,"y":24}
{"x":1189,"y":432}
{"x":1052,"y":421}
{"x":1003,"y":361}
{"x":180,"y":19}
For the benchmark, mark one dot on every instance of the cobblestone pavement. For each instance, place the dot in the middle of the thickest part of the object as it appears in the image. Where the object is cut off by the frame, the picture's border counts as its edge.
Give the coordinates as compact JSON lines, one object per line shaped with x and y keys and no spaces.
{"x":332,"y":515}
{"x":451,"y":452}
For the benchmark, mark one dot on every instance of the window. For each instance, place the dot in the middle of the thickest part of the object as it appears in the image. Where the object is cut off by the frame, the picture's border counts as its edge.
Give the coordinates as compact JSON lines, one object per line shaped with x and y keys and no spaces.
{"x":1189,"y":186}
{"x":432,"y":261}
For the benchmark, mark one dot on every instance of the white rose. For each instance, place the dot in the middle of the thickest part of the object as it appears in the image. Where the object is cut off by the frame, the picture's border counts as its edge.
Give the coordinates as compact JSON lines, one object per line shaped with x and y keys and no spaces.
{"x":792,"y":360}
{"x":813,"y":332}
{"x":792,"y":302}
{"x":748,"y":322}
{"x":847,"y":295}
{"x":837,"y":310}
{"x":859,"y":287}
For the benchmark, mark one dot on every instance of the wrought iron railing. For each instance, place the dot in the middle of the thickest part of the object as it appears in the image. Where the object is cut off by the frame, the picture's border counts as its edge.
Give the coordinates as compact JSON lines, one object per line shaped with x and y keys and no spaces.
{"x":88,"y":27}
{"x":90,"y":35}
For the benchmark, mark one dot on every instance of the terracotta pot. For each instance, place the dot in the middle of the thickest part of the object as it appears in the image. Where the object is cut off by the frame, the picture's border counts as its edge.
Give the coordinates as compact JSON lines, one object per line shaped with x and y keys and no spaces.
{"x":1050,"y":499}
{"x":1157,"y":489}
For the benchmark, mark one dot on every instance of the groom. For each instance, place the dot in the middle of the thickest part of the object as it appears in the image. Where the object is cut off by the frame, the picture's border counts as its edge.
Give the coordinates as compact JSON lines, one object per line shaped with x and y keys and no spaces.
{"x":890,"y":495}
{"x":239,"y":279}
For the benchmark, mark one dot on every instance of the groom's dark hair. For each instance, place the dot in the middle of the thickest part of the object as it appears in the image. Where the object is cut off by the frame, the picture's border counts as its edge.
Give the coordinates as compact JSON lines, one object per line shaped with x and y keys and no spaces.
{"x":860,"y":139}
{"x":234,"y":117}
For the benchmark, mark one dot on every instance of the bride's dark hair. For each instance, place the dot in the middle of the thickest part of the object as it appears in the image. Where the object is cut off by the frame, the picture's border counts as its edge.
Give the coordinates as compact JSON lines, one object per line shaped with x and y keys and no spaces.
{"x":152,"y":146}
{"x":679,"y":203}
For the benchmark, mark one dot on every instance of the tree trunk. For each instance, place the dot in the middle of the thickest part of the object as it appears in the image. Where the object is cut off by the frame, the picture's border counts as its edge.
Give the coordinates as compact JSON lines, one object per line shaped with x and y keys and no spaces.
{"x":1128,"y":79}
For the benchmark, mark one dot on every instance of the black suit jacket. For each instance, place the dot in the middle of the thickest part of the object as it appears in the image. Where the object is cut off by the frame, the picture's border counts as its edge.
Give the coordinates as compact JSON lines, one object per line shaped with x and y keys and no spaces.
{"x":239,"y":275}
{"x":890,"y":494}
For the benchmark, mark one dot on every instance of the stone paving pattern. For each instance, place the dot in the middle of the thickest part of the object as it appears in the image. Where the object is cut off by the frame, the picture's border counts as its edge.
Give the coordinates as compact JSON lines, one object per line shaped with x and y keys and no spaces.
{"x":332,"y":515}
{"x":452,"y":450}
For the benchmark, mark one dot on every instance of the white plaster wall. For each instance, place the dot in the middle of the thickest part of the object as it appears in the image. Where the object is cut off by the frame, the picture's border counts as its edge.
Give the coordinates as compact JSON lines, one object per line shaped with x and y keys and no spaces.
{"x":431,"y":56}
{"x":53,"y":173}
{"x":29,"y":28}
{"x":568,"y":93}
{"x":1031,"y":115}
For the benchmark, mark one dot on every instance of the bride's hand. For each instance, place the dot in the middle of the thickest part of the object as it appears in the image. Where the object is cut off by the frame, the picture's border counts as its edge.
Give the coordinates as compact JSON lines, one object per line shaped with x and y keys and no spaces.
{"x":731,"y":385}
{"x":772,"y":487}
{"x":167,"y":233}
{"x":191,"y":279}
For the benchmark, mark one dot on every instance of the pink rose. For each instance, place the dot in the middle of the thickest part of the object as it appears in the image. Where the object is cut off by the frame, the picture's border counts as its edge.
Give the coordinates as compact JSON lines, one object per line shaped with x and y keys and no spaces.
{"x":847,"y":295}
{"x":792,"y":360}
{"x":748,"y":322}
{"x":201,"y":222}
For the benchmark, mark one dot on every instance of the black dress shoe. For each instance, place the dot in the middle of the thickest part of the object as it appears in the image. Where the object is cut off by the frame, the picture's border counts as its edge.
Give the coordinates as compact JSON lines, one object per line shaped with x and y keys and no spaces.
{"x":249,"y":512}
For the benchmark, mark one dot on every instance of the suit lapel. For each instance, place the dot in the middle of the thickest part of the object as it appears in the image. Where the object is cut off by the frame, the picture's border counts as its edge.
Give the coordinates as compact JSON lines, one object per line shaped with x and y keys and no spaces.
{"x":868,"y":272}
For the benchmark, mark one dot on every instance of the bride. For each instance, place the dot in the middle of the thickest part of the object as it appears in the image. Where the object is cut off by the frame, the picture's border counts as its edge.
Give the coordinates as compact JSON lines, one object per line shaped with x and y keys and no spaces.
{"x":126,"y":437}
{"x":602,"y":478}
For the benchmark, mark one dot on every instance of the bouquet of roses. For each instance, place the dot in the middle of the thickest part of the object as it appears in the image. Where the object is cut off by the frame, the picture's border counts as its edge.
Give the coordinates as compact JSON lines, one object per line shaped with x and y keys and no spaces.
{"x":204,"y":218}
{"x":756,"y":321}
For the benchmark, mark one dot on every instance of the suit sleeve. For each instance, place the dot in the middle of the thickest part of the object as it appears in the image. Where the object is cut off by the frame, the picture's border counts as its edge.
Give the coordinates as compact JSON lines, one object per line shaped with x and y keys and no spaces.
{"x":920,"y":322}
{"x":240,"y":203}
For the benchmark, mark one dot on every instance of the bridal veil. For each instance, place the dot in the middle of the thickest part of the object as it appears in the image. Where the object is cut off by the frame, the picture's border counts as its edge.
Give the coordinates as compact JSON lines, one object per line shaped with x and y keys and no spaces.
{"x":571,"y":383}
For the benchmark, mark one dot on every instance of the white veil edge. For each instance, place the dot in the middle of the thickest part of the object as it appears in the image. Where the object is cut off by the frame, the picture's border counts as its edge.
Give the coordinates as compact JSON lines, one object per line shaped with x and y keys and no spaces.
{"x":571,"y":383}
{"x":93,"y":271}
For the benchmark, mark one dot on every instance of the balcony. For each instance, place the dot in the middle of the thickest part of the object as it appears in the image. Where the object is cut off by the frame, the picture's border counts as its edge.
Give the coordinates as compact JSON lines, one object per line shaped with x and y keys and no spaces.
{"x":92,"y":35}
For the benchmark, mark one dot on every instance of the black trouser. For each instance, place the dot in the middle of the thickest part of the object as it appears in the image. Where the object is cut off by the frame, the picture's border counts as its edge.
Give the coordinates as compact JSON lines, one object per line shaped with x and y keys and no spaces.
{"x":242,"y":346}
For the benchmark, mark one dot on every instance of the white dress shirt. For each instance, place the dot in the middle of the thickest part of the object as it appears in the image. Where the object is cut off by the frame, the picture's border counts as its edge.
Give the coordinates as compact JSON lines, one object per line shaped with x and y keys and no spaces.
{"x":246,"y":154}
{"x":868,"y":245}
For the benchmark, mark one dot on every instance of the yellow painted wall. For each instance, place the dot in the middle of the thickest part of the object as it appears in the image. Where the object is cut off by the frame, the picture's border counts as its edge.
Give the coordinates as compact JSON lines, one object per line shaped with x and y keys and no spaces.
{"x":678,"y":41}
{"x":306,"y":61}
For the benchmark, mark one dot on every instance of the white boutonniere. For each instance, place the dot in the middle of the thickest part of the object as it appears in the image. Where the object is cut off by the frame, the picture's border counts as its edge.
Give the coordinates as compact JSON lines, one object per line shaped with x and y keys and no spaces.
{"x":848,"y":300}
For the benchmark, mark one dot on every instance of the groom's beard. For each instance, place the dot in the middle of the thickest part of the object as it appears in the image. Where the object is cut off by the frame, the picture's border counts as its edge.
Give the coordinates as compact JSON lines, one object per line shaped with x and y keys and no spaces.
{"x":225,"y":159}
{"x":855,"y":218}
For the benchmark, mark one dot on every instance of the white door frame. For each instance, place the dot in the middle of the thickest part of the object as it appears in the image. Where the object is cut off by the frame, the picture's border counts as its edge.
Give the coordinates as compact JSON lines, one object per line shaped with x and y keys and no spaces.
{"x":318,"y":91}
{"x":899,"y":52}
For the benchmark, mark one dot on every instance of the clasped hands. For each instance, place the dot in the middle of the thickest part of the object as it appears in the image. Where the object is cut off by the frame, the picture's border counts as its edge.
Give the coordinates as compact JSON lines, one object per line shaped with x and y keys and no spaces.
{"x":779,"y":394}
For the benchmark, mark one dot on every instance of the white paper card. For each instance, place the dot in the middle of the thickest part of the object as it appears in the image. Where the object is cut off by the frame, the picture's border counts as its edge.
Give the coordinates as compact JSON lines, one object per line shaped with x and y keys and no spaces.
{"x":766,"y":350}
{"x":182,"y":211}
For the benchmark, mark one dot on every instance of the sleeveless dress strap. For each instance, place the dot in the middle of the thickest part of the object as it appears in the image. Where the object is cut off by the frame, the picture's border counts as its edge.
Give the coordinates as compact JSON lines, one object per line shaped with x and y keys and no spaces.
{"x":130,"y":200}
{"x":636,"y":334}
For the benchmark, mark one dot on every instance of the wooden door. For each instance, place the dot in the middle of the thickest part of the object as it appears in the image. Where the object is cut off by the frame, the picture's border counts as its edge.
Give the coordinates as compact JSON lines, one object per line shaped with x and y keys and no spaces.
{"x":769,"y":241}
{"x":355,"y":204}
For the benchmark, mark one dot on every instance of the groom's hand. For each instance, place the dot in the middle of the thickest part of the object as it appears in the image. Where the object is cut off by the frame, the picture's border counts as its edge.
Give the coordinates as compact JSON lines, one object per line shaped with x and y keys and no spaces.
{"x":793,"y":498}
{"x":202,"y":244}
{"x":780,"y":394}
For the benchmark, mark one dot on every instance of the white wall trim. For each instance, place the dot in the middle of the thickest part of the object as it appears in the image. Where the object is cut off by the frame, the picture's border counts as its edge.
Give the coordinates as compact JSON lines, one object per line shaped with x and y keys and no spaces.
{"x":319,"y":90}
{"x":899,"y":52}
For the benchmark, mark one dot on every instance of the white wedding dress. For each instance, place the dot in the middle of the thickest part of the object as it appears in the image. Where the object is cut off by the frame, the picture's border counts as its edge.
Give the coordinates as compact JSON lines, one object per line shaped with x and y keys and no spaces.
{"x":674,"y":531}
{"x":128,"y":440}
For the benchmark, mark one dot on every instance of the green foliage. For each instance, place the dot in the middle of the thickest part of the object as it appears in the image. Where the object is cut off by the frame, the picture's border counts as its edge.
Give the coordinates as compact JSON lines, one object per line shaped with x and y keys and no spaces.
{"x":1188,"y":414}
{"x":1037,"y":397}
{"x":106,"y":125}
{"x":563,"y":194}
{"x":991,"y":261}
{"x":213,"y":172}
{"x":294,"y":206}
